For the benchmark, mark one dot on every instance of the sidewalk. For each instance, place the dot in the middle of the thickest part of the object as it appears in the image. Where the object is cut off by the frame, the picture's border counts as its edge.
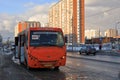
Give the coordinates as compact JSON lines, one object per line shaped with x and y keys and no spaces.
{"x":102,"y":58}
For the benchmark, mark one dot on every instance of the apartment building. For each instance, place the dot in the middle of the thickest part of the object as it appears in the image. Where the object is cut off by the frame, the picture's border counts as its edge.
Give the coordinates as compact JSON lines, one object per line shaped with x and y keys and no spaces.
{"x":89,"y":34}
{"x":111,"y":33}
{"x":69,"y":15}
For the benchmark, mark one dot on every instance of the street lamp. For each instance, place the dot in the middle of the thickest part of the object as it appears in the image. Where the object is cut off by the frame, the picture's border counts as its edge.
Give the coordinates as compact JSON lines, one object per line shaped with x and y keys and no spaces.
{"x":70,"y":24}
{"x":8,"y":42}
{"x":70,"y":27}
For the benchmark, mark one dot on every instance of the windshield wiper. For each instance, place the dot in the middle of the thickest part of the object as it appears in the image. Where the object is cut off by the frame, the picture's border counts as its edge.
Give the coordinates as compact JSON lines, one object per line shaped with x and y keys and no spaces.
{"x":48,"y":44}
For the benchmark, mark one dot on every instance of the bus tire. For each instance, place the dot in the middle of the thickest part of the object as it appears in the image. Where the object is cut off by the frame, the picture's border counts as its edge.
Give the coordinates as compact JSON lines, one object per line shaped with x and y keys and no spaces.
{"x":26,"y":64}
{"x":28,"y":68}
{"x":56,"y":68}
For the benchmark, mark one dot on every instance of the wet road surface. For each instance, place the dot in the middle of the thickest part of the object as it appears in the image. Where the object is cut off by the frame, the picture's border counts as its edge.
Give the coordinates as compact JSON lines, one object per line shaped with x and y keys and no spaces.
{"x":75,"y":69}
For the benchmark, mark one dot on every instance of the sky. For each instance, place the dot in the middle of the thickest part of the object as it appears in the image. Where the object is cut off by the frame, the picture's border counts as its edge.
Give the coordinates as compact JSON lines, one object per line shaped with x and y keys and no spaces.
{"x":102,"y":14}
{"x":99,"y":14}
{"x":14,"y":11}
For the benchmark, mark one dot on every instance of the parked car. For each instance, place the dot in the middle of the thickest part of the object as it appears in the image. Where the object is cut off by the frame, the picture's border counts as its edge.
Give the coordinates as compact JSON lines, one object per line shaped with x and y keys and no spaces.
{"x":83,"y":49}
{"x":96,"y":46}
{"x":88,"y":49}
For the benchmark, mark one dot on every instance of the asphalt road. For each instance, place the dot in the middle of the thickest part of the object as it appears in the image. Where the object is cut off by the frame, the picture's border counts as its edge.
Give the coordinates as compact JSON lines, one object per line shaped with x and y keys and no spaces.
{"x":12,"y":71}
{"x":109,"y":53}
{"x":75,"y":69}
{"x":94,"y":70}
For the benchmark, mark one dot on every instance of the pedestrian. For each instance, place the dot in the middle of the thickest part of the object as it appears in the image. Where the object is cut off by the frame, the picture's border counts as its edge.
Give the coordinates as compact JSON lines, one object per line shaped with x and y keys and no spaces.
{"x":100,"y":46}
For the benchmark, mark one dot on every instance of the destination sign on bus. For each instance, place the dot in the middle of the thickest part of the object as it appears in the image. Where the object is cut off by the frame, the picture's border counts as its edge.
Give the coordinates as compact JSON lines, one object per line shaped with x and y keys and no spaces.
{"x":45,"y":32}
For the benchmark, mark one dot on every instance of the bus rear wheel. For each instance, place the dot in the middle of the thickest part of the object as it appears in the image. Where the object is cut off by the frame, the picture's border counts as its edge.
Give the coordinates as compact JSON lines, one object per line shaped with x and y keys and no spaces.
{"x":26,"y":64}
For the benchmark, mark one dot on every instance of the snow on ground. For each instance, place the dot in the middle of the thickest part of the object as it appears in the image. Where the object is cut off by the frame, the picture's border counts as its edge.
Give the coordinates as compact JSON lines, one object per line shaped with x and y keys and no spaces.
{"x":15,"y":60}
{"x":7,"y":53}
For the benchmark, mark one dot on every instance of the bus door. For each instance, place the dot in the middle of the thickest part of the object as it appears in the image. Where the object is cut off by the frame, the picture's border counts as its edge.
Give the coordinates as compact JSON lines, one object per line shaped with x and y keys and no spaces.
{"x":21,"y":48}
{"x":16,"y":47}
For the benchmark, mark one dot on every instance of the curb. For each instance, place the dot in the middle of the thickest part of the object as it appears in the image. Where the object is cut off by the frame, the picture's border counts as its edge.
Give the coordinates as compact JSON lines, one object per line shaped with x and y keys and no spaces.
{"x":93,"y":59}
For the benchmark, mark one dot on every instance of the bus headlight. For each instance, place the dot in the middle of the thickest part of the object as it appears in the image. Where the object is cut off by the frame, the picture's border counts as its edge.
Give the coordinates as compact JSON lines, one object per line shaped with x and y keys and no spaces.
{"x":63,"y":57}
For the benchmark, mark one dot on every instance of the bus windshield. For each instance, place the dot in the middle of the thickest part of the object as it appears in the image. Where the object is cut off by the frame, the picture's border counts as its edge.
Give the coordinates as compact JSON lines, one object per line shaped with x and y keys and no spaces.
{"x":43,"y":38}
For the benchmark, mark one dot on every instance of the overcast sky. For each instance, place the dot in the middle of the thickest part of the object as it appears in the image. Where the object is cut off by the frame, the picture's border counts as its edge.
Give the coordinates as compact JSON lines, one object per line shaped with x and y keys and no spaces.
{"x":13,"y":11}
{"x":101,"y":14}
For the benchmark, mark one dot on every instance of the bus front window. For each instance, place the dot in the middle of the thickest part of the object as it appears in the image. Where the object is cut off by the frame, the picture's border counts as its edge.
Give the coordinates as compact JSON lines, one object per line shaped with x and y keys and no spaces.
{"x":38,"y":38}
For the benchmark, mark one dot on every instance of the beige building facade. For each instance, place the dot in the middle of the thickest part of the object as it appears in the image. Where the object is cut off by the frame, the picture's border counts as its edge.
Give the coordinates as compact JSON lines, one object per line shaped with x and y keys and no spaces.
{"x":89,"y":34}
{"x":111,"y":33}
{"x":69,"y":15}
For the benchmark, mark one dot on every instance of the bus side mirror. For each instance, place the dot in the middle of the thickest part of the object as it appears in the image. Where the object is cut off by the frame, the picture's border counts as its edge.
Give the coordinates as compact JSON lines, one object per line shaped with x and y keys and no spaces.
{"x":16,"y":41}
{"x":66,"y":39}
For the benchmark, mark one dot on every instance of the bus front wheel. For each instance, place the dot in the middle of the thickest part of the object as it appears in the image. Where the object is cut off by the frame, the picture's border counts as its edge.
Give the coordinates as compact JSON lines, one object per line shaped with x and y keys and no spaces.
{"x":56,"y":68}
{"x":26,"y":63}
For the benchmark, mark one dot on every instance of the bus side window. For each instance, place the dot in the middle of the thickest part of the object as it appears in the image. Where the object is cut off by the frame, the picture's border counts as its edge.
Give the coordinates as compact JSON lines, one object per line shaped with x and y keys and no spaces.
{"x":16,"y":41}
{"x":60,"y":40}
{"x":22,"y":40}
{"x":26,"y":40}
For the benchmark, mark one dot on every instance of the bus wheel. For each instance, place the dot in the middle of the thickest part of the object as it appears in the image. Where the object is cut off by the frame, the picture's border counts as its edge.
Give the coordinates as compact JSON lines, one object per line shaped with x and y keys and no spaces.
{"x":56,"y":68}
{"x":28,"y":68}
{"x":27,"y":64}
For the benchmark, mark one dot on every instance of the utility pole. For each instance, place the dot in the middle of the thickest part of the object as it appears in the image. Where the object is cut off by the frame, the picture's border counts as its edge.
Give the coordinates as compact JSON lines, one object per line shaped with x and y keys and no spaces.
{"x":116,"y":28}
{"x":100,"y":37}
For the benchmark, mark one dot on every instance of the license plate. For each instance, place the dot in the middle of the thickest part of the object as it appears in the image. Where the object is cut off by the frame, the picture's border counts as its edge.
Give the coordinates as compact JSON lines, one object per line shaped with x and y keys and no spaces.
{"x":47,"y":65}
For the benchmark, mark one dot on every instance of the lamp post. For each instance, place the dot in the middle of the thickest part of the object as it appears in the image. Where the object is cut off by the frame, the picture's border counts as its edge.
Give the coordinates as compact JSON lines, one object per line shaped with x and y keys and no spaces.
{"x":70,"y":24}
{"x":70,"y":27}
{"x":116,"y":28}
{"x":8,"y":42}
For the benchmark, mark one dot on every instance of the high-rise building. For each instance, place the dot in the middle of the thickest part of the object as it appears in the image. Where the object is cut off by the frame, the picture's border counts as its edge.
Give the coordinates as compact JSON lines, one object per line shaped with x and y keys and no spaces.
{"x":89,"y":34}
{"x":69,"y":15}
{"x":111,"y":33}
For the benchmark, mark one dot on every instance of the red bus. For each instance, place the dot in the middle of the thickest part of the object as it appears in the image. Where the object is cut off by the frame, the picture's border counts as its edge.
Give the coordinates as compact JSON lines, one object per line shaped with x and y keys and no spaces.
{"x":41,"y":48}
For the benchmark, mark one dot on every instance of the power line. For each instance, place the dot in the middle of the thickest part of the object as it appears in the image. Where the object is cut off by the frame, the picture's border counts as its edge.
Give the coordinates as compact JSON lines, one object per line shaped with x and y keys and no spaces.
{"x":99,"y":13}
